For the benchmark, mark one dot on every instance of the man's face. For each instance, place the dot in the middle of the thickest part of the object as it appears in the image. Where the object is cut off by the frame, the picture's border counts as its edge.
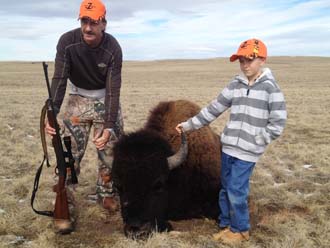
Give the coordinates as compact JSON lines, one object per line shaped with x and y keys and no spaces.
{"x":251,"y":67}
{"x":92,"y":31}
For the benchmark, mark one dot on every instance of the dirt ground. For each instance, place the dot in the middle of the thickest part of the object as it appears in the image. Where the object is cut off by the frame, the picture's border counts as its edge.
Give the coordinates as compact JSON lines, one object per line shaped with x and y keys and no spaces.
{"x":290,"y":186}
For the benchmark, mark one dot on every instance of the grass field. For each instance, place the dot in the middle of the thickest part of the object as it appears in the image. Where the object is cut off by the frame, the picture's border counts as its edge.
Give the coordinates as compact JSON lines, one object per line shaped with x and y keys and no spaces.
{"x":290,"y":187}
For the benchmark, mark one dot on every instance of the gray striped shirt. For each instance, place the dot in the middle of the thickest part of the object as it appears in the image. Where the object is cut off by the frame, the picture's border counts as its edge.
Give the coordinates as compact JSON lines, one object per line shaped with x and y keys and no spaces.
{"x":257,"y":116}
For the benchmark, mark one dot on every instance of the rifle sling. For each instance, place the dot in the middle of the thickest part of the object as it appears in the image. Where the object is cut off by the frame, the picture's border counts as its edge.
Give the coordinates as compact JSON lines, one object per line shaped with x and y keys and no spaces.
{"x":35,"y":189}
{"x":42,"y":133}
{"x":38,"y":174}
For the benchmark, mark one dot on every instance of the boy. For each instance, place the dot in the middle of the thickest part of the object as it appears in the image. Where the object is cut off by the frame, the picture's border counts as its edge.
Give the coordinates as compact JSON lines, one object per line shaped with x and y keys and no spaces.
{"x":258,"y":116}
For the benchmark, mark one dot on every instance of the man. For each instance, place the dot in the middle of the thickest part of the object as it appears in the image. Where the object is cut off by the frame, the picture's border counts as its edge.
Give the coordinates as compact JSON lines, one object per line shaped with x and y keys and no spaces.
{"x":92,"y":60}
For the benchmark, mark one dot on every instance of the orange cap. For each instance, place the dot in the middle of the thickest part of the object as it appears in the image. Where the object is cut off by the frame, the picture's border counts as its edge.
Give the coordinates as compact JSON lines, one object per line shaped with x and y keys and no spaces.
{"x":251,"y":49}
{"x":93,"y":9}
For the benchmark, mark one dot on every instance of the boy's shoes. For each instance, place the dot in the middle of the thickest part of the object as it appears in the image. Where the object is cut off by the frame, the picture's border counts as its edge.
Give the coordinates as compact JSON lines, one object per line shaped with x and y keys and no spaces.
{"x":217,"y":236}
{"x":230,"y":237}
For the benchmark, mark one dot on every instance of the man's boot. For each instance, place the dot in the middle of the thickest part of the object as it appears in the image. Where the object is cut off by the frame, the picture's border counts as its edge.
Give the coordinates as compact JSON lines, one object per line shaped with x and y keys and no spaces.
{"x":106,"y":196}
{"x":109,"y":202}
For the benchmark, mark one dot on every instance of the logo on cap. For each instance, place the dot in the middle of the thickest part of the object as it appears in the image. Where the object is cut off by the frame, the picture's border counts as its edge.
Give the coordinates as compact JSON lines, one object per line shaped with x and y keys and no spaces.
{"x":89,"y":6}
{"x":251,"y":49}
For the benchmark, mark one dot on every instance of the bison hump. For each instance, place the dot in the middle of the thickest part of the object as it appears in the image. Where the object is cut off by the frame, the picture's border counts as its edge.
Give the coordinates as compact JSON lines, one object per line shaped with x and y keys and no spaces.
{"x":166,"y":115}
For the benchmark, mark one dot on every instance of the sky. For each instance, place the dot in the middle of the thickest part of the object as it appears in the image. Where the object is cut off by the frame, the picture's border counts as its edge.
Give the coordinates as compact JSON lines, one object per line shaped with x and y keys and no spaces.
{"x":171,"y":29}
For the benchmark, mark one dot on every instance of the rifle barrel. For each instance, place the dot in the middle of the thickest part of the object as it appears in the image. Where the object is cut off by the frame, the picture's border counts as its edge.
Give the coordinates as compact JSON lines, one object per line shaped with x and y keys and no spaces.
{"x":45,"y":66}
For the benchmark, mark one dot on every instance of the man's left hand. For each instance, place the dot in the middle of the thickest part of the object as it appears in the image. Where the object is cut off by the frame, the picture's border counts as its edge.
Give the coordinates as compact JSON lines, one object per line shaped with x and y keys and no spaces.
{"x":101,"y":139}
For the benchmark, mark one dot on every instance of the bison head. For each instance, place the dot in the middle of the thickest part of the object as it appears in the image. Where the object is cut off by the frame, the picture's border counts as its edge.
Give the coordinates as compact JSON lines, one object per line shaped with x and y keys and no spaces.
{"x":141,"y":165}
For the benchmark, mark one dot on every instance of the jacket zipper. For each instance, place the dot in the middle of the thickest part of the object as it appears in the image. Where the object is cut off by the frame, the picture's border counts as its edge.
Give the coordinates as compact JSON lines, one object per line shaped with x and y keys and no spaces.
{"x":247,"y":95}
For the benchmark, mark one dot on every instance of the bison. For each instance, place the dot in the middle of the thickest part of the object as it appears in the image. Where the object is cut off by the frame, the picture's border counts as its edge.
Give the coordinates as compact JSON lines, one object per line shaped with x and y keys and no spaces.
{"x":152,"y":185}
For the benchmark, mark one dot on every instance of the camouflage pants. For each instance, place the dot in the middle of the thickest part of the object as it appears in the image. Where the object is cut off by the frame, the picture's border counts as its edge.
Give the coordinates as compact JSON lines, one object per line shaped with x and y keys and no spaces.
{"x":82,"y":114}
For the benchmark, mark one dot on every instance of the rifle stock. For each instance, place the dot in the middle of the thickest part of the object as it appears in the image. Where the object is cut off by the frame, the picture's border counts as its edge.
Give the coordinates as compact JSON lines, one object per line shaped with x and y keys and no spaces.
{"x":61,"y":210}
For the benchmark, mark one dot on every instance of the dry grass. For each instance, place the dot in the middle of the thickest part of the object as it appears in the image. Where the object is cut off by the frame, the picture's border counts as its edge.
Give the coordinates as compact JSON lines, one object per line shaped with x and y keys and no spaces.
{"x":290,"y":187}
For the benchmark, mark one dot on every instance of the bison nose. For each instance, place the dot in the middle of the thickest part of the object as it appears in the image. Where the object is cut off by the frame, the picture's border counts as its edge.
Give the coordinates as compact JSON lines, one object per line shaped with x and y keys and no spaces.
{"x":137,"y":230}
{"x":132,"y":230}
{"x":134,"y":224}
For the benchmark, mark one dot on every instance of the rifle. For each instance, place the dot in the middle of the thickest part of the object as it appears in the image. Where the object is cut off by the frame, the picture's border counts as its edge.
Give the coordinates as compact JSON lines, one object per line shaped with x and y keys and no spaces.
{"x":61,"y":212}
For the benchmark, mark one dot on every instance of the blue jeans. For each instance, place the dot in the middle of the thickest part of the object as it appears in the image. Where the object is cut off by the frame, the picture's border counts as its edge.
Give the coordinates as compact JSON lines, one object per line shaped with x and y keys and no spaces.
{"x":235,"y":176}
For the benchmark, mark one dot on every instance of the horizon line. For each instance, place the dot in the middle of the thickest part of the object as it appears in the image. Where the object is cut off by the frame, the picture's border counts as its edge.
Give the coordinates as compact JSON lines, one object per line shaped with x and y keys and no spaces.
{"x":169,"y":59}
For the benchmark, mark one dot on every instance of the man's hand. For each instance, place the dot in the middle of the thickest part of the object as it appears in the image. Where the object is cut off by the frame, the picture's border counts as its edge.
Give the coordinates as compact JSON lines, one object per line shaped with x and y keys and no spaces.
{"x":101,"y":139}
{"x":49,"y":130}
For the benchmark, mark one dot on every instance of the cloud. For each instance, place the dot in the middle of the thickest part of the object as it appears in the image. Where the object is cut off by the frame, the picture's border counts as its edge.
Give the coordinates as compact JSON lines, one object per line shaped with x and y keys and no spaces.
{"x":39,"y":8}
{"x":176,"y":29}
{"x":116,"y":9}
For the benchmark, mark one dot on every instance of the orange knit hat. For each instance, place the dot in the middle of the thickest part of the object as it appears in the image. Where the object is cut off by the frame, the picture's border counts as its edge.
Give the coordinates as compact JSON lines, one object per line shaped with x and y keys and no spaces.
{"x":251,"y":49}
{"x":93,"y":9}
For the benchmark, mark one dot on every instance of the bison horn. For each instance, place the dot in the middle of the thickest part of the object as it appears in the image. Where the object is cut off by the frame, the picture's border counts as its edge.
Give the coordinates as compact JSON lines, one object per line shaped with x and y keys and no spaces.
{"x":178,"y":158}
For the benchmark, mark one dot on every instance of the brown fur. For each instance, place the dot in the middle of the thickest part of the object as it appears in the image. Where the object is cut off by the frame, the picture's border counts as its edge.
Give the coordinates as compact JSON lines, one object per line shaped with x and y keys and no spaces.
{"x":203,"y":149}
{"x":204,"y":143}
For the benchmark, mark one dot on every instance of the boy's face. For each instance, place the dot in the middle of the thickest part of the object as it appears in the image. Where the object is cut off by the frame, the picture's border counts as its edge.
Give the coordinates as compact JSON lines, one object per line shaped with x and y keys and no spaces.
{"x":251,"y":67}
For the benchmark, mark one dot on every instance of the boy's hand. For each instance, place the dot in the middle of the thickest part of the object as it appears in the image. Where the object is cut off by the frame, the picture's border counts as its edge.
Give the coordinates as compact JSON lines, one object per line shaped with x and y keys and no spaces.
{"x":179,"y":128}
